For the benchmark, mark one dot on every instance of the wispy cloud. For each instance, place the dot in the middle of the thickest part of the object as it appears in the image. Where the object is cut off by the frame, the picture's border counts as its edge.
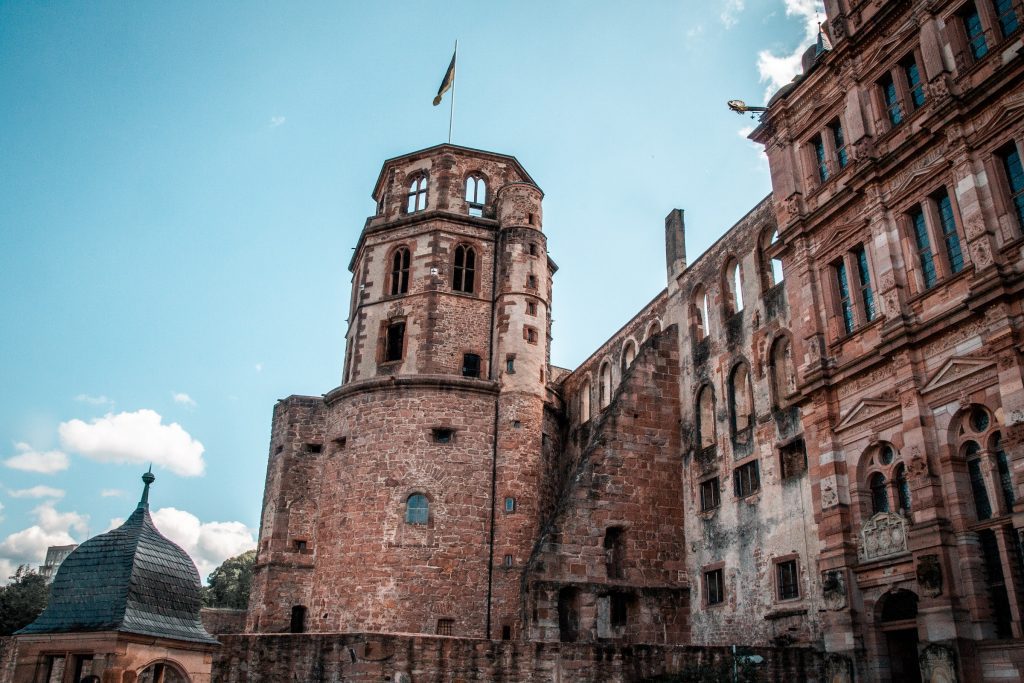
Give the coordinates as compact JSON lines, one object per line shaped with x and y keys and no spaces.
{"x":94,"y":400}
{"x":29,"y":545}
{"x":38,"y":492}
{"x":29,"y":459}
{"x":258,"y":367}
{"x":730,"y":13}
{"x":110,"y":493}
{"x":209,"y":543}
{"x":778,"y":70}
{"x":140,"y":437}
{"x":184,"y":399}
{"x":276,"y":121}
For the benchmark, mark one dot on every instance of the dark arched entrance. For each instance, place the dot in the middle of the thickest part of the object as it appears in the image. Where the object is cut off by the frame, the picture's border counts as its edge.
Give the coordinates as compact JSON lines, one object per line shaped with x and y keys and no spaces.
{"x":897,"y":618}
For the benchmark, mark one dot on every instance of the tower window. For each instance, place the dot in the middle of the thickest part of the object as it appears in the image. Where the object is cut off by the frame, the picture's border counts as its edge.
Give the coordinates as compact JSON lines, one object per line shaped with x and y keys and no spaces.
{"x":788,"y":580}
{"x":394,"y":344}
{"x":533,"y":249}
{"x":510,"y":504}
{"x":510,"y":364}
{"x":470,"y":365}
{"x":531,"y":308}
{"x":476,"y":195}
{"x":710,"y":496}
{"x":531,"y":281}
{"x":443,"y":435}
{"x":509,"y":560}
{"x":298,"y":621}
{"x":530,"y":333}
{"x":416,"y":199}
{"x":445,"y":627}
{"x":714,"y":587}
{"x":465,"y":269}
{"x":400,"y":271}
{"x":314,"y":448}
{"x":417,"y":509}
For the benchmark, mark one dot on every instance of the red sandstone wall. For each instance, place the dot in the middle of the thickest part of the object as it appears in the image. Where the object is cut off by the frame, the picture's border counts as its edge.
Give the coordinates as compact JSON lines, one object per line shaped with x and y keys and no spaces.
{"x":217,"y":620}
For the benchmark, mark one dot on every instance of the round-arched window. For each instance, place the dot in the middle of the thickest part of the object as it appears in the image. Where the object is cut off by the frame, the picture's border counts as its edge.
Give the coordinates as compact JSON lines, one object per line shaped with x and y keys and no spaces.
{"x":417,"y":509}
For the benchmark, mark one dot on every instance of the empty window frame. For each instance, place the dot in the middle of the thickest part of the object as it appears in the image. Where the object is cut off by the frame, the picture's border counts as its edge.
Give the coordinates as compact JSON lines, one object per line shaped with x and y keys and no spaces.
{"x":1010,"y":161}
{"x":394,"y":341}
{"x":710,"y":494}
{"x":793,"y":459}
{"x":416,"y":198}
{"x":879,"y":488}
{"x":417,"y":509}
{"x":699,"y":313}
{"x":531,"y":308}
{"x":615,"y":552}
{"x":585,"y":402}
{"x":733,"y":287}
{"x":628,"y":355}
{"x":530,"y":334}
{"x":298,"y":620}
{"x":741,"y":399}
{"x":470,"y":365}
{"x":443,"y":434}
{"x":605,"y":385}
{"x":705,"y":417}
{"x":787,"y":580}
{"x":476,"y":194}
{"x":619,"y":610}
{"x":747,"y":479}
{"x":771,"y":265}
{"x":714,"y":587}
{"x":400,"y":271}
{"x":783,"y":373}
{"x":464,"y":275}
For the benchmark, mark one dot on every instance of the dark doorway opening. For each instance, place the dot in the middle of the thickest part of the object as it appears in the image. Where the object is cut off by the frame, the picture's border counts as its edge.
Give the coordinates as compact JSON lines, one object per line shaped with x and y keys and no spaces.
{"x":568,"y":615}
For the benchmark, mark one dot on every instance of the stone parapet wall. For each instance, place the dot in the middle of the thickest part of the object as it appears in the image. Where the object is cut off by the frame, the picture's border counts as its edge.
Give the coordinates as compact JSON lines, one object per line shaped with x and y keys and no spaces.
{"x":359,"y":657}
{"x":218,"y":620}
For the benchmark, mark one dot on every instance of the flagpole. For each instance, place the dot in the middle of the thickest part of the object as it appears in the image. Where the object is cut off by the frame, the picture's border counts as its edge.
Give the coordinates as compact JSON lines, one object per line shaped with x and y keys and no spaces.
{"x":455,"y":71}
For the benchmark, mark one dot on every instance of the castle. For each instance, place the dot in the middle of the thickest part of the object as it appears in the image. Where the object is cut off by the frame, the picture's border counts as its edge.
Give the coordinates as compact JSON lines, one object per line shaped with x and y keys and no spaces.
{"x":811,"y":442}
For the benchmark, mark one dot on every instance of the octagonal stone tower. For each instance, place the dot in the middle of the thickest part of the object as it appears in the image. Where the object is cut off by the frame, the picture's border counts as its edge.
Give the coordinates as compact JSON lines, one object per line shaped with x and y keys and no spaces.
{"x":408,"y":499}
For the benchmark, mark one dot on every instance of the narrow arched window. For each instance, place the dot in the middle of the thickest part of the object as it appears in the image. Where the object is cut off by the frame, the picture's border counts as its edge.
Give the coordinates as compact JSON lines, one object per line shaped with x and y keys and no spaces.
{"x":614,"y":552}
{"x":465,"y":269}
{"x":628,"y":355}
{"x":1005,"y":478}
{"x":417,"y":509}
{"x":585,"y":402}
{"x":417,"y":196}
{"x":653,"y":329}
{"x":783,"y":373}
{"x":400,"y":271}
{"x":605,"y":393}
{"x":699,"y":314}
{"x":773,"y":274}
{"x":733,"y":287}
{"x":741,"y":399}
{"x":899,"y":480}
{"x":706,"y":417}
{"x":879,"y":493}
{"x":982,"y":505}
{"x":476,"y":195}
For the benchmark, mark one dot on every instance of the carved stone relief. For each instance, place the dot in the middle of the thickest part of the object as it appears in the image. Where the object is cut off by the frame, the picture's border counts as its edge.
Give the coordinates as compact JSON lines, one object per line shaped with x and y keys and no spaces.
{"x":883,"y":535}
{"x":938,"y":664}
{"x":838,"y":669}
{"x":833,"y":589}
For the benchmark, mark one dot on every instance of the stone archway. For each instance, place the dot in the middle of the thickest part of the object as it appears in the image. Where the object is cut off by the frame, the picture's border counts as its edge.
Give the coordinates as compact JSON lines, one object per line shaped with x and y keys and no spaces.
{"x":163,"y":672}
{"x":897,"y":623}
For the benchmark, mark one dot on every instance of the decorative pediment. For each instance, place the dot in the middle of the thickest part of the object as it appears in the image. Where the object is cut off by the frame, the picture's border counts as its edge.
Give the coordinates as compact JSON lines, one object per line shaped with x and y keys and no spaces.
{"x":924,"y":166}
{"x":839,"y":234}
{"x":865,"y":410}
{"x":954,"y":369}
{"x":884,"y":535}
{"x":1006,"y":112}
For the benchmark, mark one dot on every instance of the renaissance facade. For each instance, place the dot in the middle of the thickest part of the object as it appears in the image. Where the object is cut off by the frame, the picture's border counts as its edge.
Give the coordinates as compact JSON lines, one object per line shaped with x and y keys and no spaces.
{"x":812,"y":438}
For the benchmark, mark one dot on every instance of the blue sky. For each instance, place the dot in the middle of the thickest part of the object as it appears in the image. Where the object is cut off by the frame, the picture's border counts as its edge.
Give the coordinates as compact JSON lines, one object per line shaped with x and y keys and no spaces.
{"x":183,"y":184}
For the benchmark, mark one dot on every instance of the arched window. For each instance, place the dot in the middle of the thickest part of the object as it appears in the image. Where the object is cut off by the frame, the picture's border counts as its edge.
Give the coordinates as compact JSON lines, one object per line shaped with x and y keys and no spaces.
{"x":902,"y":487}
{"x":416,"y":199}
{"x":465,"y":269}
{"x":879,"y":493}
{"x":982,"y":505}
{"x":1005,"y":478}
{"x":585,"y":402}
{"x":158,"y":672}
{"x":706,"y":416}
{"x":605,"y":385}
{"x":783,"y":374}
{"x":773,"y":268}
{"x":476,"y":194}
{"x":400,"y":271}
{"x":653,"y":329}
{"x":628,"y":355}
{"x":741,"y":399}
{"x":733,"y":287}
{"x":699,"y":313}
{"x":417,"y":509}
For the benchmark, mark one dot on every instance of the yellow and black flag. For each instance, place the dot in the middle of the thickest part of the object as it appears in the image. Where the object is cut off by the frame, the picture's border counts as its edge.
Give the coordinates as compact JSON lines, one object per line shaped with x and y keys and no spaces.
{"x":448,"y":80}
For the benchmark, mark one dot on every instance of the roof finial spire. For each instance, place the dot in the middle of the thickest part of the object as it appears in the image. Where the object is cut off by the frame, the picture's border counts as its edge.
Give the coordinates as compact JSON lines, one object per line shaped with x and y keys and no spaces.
{"x":147,"y":479}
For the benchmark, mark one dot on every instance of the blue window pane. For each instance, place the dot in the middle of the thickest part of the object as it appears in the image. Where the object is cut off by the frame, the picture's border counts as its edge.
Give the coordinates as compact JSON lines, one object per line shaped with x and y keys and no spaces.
{"x":844,"y":297}
{"x":1015,"y":174}
{"x":949,"y":234}
{"x":975,"y":33}
{"x":867,"y":296}
{"x":417,"y":510}
{"x":981,"y":503}
{"x":819,"y":155}
{"x":914,"y":84}
{"x":924,"y":247}
{"x":892,"y":103}
{"x":1007,"y":17}
{"x":837,"y":135}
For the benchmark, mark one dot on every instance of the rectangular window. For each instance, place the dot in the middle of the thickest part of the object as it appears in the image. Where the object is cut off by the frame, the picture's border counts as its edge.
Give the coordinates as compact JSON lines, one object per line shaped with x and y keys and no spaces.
{"x":974,"y":30}
{"x":891,"y":99}
{"x":531,"y":281}
{"x":509,"y":561}
{"x":924,"y":247}
{"x":1015,"y":177}
{"x":747,"y":479}
{"x":314,"y":448}
{"x":510,"y":504}
{"x":819,"y":158}
{"x":866,"y":294}
{"x":840,"y":142}
{"x":714,"y":587}
{"x":443,"y":435}
{"x":710,"y":496}
{"x":445,"y":627}
{"x":845,"y":303}
{"x":914,"y":85}
{"x":1007,"y":17}
{"x":510,"y":364}
{"x":395,"y":342}
{"x":788,"y":583}
{"x":619,"y":609}
{"x":300,"y":546}
{"x":531,"y":308}
{"x":793,"y":459}
{"x":950,"y":237}
{"x":470,"y":365}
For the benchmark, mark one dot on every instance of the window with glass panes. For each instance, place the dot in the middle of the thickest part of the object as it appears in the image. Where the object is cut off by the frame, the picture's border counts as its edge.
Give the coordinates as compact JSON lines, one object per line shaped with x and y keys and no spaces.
{"x":840,"y":142}
{"x":950,"y":237}
{"x":924,"y":247}
{"x":982,"y":505}
{"x":819,"y":158}
{"x":714,"y":587}
{"x":845,"y":302}
{"x":914,"y":85}
{"x":974,"y":30}
{"x":789,"y":585}
{"x":747,"y":479}
{"x":866,"y":294}
{"x":710,"y":498}
{"x":1015,"y":178}
{"x":891,"y":99}
{"x":1006,"y":16}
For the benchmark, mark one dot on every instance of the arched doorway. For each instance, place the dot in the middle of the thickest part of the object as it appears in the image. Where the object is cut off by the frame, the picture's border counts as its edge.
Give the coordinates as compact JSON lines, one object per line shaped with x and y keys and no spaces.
{"x":897,"y":619}
{"x":162,"y":672}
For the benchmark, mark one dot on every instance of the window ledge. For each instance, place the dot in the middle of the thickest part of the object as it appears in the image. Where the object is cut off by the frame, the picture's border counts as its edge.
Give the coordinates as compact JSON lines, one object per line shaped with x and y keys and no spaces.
{"x":839,"y":341}
{"x":941,"y":284}
{"x":784,"y":613}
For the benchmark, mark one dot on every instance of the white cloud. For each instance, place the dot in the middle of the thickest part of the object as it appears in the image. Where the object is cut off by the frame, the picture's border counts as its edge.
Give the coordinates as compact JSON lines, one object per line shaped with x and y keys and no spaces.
{"x":110,"y":493}
{"x":30,"y":460}
{"x":778,"y":70}
{"x":114,"y":523}
{"x":730,"y":14}
{"x":745,"y":131}
{"x":138,"y":438}
{"x":208,"y":543}
{"x":276,"y":121}
{"x":184,"y":399}
{"x":94,"y":400}
{"x":28,"y":546}
{"x":259,"y":367}
{"x":38,"y":492}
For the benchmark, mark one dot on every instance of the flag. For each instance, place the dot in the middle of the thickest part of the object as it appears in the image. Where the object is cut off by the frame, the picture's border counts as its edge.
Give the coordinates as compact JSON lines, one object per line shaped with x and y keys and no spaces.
{"x":447,"y":81}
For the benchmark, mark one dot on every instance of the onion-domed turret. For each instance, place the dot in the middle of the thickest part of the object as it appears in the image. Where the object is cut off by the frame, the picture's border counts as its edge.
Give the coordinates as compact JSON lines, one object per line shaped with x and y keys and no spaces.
{"x":131,"y":580}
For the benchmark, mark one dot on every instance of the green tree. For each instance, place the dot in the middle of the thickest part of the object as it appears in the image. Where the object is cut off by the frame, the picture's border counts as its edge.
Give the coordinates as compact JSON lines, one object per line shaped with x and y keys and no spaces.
{"x":22,"y":600}
{"x":229,"y":584}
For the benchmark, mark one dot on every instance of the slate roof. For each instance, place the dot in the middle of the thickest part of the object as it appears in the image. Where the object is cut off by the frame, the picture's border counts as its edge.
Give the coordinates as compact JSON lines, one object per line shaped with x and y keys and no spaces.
{"x":131,"y":579}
